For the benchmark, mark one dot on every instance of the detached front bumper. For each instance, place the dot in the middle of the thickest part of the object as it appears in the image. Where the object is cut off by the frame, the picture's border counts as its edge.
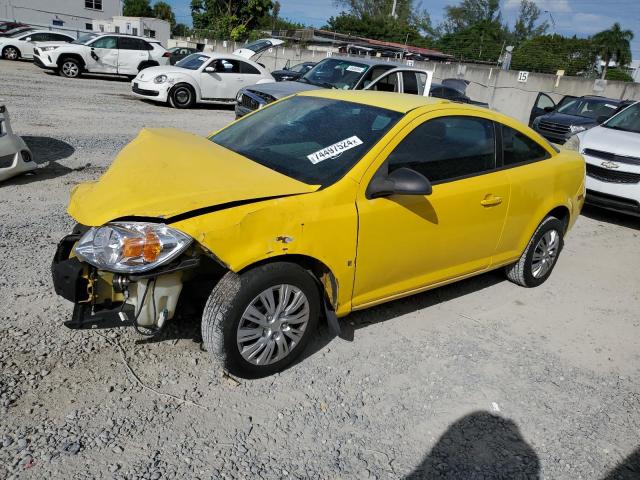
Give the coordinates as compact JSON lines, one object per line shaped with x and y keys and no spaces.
{"x":105,"y":300}
{"x":150,"y":90}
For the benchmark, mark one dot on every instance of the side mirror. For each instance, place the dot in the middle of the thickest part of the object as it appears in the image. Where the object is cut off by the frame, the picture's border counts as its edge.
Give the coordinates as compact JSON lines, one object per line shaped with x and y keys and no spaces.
{"x":549,"y":109}
{"x":402,"y":181}
{"x":210,"y":69}
{"x":602,"y":118}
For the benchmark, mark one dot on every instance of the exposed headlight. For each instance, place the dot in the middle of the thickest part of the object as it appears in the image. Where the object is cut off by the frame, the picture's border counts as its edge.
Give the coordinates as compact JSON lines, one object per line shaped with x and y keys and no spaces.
{"x":48,"y":49}
{"x":131,"y":247}
{"x":573,"y":143}
{"x":577,"y":128}
{"x":239,"y":97}
{"x":160,"y":79}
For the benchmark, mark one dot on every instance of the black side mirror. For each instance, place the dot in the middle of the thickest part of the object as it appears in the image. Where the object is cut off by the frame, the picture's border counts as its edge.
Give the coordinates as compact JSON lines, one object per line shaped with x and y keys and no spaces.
{"x":602,"y":119}
{"x":402,"y":181}
{"x":549,"y":109}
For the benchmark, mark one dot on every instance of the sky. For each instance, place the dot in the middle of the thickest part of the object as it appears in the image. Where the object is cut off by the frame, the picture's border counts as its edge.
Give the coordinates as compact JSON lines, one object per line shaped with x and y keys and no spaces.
{"x":580,"y":17}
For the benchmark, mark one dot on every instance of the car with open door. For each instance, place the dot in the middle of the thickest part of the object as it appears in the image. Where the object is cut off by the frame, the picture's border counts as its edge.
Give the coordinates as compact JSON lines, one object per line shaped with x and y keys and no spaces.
{"x":200,"y":78}
{"x":23,"y":44}
{"x":109,"y":53}
{"x":273,"y":224}
{"x":454,"y":89}
{"x":571,"y":115}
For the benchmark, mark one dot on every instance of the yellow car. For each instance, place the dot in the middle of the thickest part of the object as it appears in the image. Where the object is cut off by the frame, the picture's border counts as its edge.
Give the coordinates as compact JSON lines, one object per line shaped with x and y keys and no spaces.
{"x":315,"y":206}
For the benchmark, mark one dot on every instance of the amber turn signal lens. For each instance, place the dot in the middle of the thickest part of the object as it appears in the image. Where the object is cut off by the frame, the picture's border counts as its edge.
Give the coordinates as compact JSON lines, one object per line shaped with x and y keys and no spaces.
{"x":132,"y":247}
{"x":148,"y":247}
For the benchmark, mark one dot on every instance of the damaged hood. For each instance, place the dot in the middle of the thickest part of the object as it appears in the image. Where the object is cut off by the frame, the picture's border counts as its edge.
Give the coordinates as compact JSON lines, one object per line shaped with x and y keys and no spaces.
{"x":167,"y":172}
{"x":283,"y":89}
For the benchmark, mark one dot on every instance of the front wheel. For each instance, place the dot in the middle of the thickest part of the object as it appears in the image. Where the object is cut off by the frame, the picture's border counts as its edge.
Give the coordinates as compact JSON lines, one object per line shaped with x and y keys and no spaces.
{"x":259,"y":321}
{"x":541,"y":255}
{"x":70,"y":68}
{"x":182,"y":96}
{"x":11,"y":53}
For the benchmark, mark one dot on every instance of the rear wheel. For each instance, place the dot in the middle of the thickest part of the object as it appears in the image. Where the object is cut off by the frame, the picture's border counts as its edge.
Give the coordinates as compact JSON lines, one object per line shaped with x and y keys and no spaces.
{"x":182,"y":96}
{"x":10,"y":53}
{"x":541,"y":255}
{"x":259,"y":321}
{"x":70,"y":68}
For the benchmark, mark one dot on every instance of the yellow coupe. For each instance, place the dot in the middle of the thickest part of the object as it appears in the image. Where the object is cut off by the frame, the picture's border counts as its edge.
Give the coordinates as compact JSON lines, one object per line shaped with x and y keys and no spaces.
{"x":315,"y":206}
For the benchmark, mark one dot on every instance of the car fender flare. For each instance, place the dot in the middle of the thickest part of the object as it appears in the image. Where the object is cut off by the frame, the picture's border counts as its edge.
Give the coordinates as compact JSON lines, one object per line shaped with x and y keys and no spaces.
{"x":186,"y":80}
{"x":74,"y":56}
{"x":556,"y":207}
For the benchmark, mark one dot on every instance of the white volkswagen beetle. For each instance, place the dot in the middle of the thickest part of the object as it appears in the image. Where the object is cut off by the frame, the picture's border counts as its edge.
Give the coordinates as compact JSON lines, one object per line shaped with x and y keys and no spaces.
{"x":199,"y":78}
{"x":15,"y":156}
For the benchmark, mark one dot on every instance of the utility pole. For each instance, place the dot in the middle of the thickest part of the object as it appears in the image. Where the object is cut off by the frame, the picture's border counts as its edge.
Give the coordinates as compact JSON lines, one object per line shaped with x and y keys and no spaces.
{"x":393,"y":9}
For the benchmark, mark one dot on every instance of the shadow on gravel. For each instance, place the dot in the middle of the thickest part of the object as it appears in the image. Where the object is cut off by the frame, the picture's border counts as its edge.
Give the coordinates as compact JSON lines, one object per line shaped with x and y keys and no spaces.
{"x":46,"y":151}
{"x":480,"y":446}
{"x":609,"y":216}
{"x":92,"y":76}
{"x":628,"y":469}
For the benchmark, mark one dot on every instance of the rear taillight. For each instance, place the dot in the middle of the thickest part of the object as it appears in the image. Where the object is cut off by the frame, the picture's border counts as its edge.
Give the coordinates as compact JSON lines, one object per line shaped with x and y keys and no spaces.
{"x":166,"y":54}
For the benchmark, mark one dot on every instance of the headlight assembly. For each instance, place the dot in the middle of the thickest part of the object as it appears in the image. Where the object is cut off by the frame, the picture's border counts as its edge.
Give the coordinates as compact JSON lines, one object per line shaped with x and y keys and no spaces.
{"x":577,"y":129}
{"x":160,"y":79}
{"x":573,"y":143}
{"x":239,"y":97}
{"x":131,"y":247}
{"x":48,"y":49}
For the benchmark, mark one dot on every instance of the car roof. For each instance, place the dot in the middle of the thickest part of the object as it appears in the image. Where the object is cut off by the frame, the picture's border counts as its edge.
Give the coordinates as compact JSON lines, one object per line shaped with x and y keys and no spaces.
{"x":31,"y":32}
{"x":125,"y":35}
{"x":214,"y":55}
{"x":366,"y":61}
{"x":399,"y":102}
{"x":602,"y":99}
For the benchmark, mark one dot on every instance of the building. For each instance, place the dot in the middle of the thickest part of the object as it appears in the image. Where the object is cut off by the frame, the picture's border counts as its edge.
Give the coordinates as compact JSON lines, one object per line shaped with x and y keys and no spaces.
{"x":142,"y":26}
{"x":70,"y":15}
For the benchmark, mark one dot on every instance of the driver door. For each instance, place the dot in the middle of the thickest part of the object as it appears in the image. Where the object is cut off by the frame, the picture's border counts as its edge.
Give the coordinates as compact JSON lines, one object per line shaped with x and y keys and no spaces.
{"x":407,"y":243}
{"x":403,"y":80}
{"x":223,"y":83}
{"x":103,"y":56}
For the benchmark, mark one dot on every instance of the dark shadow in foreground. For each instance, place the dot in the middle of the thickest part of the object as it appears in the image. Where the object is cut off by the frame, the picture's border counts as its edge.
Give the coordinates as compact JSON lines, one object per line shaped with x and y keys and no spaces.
{"x":628,"y":469}
{"x":47,"y":151}
{"x":480,"y":446}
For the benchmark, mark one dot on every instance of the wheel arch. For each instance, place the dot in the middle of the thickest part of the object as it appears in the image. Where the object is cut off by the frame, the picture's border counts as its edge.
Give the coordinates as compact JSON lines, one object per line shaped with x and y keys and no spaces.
{"x":14,"y":47}
{"x":190,"y":84}
{"x":562,"y":213}
{"x":74,"y":56}
{"x":147,"y":64}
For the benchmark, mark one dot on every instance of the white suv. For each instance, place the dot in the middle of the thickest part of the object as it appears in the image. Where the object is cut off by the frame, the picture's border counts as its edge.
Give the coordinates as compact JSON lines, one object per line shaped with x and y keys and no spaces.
{"x":102,"y":53}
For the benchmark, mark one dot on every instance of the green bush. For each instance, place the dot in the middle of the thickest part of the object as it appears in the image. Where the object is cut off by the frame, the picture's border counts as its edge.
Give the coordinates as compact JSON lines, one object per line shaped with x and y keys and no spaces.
{"x":620,"y":75}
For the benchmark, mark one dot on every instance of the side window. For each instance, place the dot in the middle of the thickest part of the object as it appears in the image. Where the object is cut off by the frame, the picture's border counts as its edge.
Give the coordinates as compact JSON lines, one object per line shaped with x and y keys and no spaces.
{"x":39,"y":37}
{"x":410,"y":83}
{"x":129,"y":43}
{"x":56,"y":37}
{"x":447,"y":148}
{"x":249,"y":69}
{"x":387,"y":84}
{"x":518,"y":148}
{"x":373,"y":73}
{"x":226,"y":66}
{"x":105,"y":42}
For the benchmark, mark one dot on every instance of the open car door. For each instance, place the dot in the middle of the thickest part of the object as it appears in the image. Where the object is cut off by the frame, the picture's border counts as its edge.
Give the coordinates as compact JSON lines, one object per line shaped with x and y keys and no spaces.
{"x":544,"y":104}
{"x":413,"y":81}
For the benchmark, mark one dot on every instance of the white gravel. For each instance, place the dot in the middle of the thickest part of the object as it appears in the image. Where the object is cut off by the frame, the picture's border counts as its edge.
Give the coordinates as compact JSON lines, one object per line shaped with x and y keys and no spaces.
{"x":481,"y":379}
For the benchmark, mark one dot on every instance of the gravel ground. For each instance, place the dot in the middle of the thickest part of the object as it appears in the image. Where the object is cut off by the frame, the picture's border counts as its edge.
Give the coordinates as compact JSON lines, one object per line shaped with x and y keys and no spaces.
{"x":477,"y":380}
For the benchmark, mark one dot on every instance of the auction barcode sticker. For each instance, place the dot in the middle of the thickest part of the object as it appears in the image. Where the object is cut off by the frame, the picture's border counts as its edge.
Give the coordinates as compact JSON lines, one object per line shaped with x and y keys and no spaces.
{"x":334,"y":150}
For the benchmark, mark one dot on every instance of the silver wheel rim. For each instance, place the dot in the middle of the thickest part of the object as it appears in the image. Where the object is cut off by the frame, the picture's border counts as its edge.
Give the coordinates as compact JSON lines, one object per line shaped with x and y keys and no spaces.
{"x":12,"y":53}
{"x":273,"y":324}
{"x":183,"y":96}
{"x":545,"y":253}
{"x":70,"y":69}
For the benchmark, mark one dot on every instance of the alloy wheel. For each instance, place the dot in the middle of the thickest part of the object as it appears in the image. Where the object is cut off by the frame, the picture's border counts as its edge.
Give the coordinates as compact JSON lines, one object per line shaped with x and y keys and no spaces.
{"x":70,"y":69}
{"x":183,"y":96}
{"x":545,"y":253}
{"x":11,"y":53}
{"x":273,"y":324}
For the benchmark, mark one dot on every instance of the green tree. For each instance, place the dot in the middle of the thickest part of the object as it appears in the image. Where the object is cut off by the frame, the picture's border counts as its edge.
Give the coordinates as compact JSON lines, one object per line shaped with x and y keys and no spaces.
{"x":614,"y":44}
{"x":619,"y":75}
{"x":469,"y":13}
{"x":180,"y":30}
{"x":137,"y":8}
{"x":550,"y":53}
{"x":525,"y":27}
{"x":164,"y":11}
{"x":481,"y":41}
{"x":229,"y":18}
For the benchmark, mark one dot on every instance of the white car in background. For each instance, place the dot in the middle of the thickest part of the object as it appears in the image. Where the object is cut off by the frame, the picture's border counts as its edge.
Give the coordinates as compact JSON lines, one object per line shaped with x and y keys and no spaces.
{"x":257,"y":47}
{"x":199,"y":78}
{"x":110,"y":53}
{"x":15,"y":156}
{"x":612,"y":154}
{"x":21,"y":45}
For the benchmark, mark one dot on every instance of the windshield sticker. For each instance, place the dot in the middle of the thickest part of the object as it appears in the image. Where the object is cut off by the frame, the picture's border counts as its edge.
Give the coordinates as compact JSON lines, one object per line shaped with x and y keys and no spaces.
{"x":353,"y":68}
{"x":334,"y":150}
{"x":203,"y":59}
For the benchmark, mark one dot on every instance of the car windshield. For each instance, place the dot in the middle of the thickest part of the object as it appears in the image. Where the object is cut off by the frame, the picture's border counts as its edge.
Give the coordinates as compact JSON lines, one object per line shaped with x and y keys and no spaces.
{"x":589,"y":108}
{"x":284,"y":137}
{"x":193,"y":61}
{"x":627,"y":120}
{"x":335,"y":73}
{"x":82,"y":39}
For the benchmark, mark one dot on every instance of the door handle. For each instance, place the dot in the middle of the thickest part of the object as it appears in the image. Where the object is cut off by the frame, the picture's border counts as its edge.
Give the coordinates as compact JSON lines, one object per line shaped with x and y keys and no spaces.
{"x":491,"y":201}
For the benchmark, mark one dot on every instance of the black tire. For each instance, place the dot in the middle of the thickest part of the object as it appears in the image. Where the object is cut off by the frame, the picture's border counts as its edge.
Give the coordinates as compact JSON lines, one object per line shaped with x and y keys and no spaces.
{"x":11,"y":53}
{"x":70,"y":68}
{"x":182,"y":96}
{"x":233,"y":295}
{"x":522,"y":272}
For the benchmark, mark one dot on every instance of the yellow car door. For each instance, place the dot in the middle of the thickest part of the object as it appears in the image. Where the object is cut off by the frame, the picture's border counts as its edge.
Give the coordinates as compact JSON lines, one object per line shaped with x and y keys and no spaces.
{"x":407,"y":243}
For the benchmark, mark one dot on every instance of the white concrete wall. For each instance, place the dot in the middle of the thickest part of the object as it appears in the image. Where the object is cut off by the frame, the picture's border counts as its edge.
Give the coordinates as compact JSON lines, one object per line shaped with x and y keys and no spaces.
{"x":72,"y":13}
{"x":141,"y":26}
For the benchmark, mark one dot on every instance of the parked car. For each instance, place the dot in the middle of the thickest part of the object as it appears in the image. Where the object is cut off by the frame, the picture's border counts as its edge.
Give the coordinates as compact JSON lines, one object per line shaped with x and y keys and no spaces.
{"x":572,"y":115}
{"x":333,"y":72}
{"x":15,"y":156}
{"x":199,"y":78}
{"x":103,"y":53}
{"x":454,"y":89}
{"x":612,"y":153}
{"x":21,"y":45}
{"x":292,"y":73}
{"x":257,"y":47}
{"x":178,"y":53}
{"x":12,"y":27}
{"x":327,"y":202}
